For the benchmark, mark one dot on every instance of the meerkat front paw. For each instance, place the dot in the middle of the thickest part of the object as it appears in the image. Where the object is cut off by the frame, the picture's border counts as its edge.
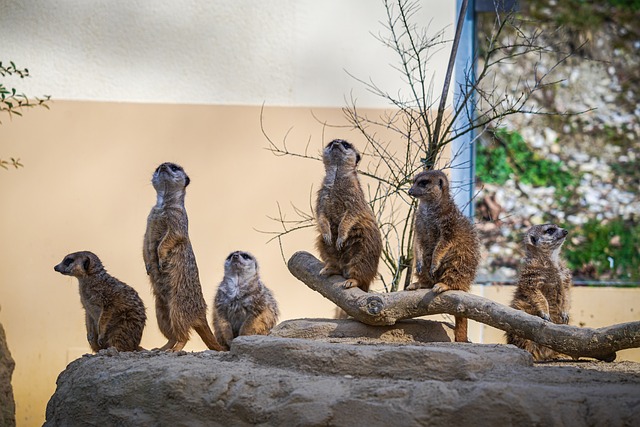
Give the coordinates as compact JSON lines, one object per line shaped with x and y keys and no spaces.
{"x":434,"y":268}
{"x":439,"y":288}
{"x":418,"y":267}
{"x":102,"y":341}
{"x":545,"y":316}
{"x":350,"y":283}
{"x":413,"y":286}
{"x":564,"y":316}
{"x":327,"y":238}
{"x":328,"y":270}
{"x":339,"y":243}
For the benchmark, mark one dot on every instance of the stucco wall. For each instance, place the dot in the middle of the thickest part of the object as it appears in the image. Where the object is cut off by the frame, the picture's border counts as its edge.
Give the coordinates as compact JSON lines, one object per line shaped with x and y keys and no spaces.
{"x":282,"y":52}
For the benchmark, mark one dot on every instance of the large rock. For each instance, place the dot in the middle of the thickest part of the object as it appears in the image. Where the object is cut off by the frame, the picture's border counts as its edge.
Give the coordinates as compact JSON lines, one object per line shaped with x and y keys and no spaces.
{"x":7,"y":404}
{"x":347,"y":331}
{"x":293,"y":381}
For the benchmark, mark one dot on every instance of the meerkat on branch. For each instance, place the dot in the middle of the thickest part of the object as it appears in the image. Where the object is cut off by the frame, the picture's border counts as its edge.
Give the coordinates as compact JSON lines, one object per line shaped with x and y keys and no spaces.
{"x":544,"y":284}
{"x":114,"y":313}
{"x":445,"y":250}
{"x":243,"y":305}
{"x":171,"y":263}
{"x":349,"y":240}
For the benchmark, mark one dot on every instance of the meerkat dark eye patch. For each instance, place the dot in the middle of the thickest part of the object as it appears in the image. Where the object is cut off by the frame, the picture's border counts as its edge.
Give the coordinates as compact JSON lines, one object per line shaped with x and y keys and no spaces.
{"x":245,"y":256}
{"x":345,"y":144}
{"x":67,"y":262}
{"x":174,"y":168}
{"x":550,"y":231}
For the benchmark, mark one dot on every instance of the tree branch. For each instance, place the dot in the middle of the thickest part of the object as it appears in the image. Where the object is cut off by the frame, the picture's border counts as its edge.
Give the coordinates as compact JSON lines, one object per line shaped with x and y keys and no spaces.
{"x":388,"y":308}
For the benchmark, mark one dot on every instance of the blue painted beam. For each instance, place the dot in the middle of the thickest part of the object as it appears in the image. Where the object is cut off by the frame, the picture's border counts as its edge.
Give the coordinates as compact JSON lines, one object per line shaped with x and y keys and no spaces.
{"x":463,"y":148}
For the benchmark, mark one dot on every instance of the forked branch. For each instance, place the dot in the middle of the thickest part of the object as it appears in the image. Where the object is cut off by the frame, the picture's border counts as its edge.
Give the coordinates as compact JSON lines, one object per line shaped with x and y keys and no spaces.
{"x":388,"y":308}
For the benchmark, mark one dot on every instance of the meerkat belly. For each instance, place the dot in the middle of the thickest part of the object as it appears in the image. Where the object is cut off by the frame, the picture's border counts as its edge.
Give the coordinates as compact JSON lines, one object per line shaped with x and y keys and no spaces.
{"x":238,"y":313}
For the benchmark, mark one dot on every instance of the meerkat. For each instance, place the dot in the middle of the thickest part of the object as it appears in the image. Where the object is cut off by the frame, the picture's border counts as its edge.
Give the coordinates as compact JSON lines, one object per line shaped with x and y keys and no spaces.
{"x":114,"y":313}
{"x":445,"y":249}
{"x":243,"y":305}
{"x":544,"y":283}
{"x":171,"y":263}
{"x":349,"y":240}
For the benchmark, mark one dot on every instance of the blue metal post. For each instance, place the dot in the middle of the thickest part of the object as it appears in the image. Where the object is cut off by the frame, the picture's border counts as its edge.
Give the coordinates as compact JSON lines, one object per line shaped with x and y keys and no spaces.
{"x":463,"y":148}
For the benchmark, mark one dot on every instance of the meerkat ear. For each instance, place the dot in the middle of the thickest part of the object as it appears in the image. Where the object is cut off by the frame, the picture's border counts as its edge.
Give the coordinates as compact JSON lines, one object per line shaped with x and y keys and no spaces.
{"x":86,"y":264}
{"x":441,"y":183}
{"x":187,"y":180}
{"x":533,"y":240}
{"x":358,"y":157}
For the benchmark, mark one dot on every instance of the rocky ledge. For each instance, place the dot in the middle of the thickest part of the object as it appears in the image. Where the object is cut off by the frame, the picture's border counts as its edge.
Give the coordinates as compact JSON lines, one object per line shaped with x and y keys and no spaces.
{"x":334,"y":376}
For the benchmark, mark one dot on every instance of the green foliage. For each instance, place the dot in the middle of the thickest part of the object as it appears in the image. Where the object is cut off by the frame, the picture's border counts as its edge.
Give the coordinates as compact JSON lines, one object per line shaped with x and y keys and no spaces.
{"x":598,"y":244}
{"x":508,"y":156}
{"x":4,"y":164}
{"x":625,"y":4}
{"x":12,"y":101}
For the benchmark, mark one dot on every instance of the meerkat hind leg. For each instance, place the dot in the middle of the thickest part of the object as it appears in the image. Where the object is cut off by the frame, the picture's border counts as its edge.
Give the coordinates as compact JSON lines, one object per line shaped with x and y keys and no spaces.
{"x":178,"y":346}
{"x":170,"y":344}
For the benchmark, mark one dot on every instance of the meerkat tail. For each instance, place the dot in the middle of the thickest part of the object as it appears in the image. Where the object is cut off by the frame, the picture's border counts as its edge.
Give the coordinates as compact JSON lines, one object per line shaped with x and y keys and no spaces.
{"x":460,"y":330}
{"x":207,"y":336}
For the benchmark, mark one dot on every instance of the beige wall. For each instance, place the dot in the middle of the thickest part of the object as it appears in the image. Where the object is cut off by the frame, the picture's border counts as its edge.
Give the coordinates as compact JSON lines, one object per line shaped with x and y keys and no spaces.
{"x":86,"y":186}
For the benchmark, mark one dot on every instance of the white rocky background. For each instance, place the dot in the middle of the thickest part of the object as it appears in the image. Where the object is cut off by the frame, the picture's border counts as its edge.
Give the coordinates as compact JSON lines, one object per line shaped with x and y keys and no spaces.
{"x":601,"y":146}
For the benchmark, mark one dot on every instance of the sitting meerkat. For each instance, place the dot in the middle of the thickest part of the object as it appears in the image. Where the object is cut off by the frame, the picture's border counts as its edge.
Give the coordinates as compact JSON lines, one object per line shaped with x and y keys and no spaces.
{"x":544,"y":284}
{"x":445,"y":250}
{"x":114,"y":313}
{"x":171,"y":263}
{"x":349,"y":240}
{"x":243,"y":305}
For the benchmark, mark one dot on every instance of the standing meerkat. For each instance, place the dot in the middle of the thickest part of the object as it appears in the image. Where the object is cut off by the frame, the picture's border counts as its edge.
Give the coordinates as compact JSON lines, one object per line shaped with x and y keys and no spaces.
{"x":544,"y":283}
{"x":349,"y":240}
{"x":445,"y":249}
{"x":114,"y":313}
{"x":243,"y":305}
{"x":171,"y":263}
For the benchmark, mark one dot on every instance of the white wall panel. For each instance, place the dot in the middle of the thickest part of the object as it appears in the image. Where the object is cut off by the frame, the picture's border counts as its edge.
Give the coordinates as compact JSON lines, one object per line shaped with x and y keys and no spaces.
{"x":281,"y":52}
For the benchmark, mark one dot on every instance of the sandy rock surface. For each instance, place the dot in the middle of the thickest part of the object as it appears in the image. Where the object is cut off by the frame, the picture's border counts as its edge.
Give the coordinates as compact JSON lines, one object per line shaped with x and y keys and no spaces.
{"x":303,"y":381}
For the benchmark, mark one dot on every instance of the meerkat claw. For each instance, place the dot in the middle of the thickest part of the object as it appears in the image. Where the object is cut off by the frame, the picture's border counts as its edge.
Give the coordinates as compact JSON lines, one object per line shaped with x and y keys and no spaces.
{"x":412,"y":286}
{"x":439,"y":288}
{"x":350,"y":283}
